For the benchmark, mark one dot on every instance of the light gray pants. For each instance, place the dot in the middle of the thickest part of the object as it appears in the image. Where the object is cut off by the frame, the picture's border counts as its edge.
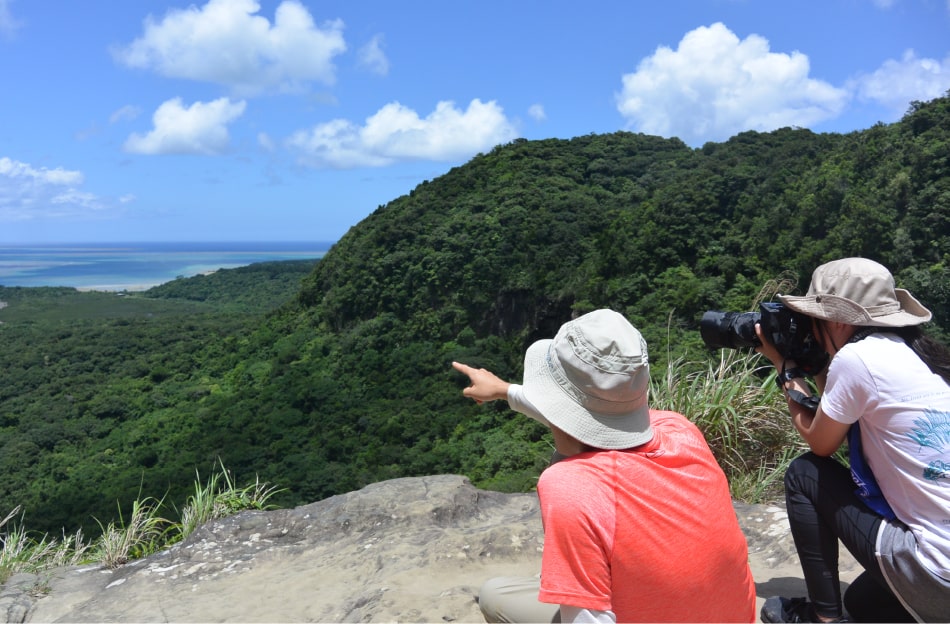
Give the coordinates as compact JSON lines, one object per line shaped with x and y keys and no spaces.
{"x":515,"y":599}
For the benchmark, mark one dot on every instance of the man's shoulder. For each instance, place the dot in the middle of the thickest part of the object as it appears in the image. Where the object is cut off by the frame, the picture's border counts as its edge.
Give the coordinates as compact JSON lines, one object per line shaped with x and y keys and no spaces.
{"x":670,"y":421}
{"x":666,"y":416}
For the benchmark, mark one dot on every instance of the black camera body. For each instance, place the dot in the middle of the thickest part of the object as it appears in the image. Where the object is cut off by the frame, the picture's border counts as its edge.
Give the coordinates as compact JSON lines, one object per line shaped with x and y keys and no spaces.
{"x":788,"y":330}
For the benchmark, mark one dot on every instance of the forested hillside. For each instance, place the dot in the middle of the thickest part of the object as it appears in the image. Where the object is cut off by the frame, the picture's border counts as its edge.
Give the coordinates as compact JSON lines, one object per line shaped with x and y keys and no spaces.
{"x":349,"y":382}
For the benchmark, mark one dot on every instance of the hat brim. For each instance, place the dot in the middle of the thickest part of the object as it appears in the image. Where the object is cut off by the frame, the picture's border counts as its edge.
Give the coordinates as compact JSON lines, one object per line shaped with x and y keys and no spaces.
{"x":834,"y":308}
{"x":604,"y":431}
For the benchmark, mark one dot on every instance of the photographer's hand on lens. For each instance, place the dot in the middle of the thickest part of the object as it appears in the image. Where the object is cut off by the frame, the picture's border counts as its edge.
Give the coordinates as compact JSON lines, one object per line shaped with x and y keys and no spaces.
{"x":767,"y":349}
{"x":789,"y":377}
{"x":822,"y":434}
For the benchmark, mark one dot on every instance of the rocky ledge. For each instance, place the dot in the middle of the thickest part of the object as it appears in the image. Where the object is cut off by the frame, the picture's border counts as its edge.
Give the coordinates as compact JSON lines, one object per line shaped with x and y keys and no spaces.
{"x":406,"y":550}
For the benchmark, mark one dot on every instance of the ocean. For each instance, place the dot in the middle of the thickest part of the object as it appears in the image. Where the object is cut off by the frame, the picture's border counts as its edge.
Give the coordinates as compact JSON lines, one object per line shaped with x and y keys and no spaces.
{"x":136,"y":266}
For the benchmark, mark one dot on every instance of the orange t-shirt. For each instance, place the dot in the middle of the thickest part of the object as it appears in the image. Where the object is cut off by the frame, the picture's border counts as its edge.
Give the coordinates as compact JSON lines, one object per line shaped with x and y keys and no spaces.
{"x":649,"y":533}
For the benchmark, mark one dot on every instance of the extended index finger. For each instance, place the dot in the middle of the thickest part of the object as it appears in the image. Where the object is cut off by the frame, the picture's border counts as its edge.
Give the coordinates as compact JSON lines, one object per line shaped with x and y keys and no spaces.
{"x":463,"y":368}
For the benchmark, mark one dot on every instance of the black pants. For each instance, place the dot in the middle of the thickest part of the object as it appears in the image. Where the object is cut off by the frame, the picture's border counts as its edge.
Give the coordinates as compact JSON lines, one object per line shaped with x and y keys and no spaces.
{"x":823,"y":507}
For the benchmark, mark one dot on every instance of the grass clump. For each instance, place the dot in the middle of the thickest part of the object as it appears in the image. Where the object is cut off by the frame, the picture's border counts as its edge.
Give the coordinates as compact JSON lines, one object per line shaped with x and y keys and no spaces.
{"x":733,"y":399}
{"x":21,"y":552}
{"x":219,"y":497}
{"x":141,"y":536}
{"x":144,"y":532}
{"x":735,"y":403}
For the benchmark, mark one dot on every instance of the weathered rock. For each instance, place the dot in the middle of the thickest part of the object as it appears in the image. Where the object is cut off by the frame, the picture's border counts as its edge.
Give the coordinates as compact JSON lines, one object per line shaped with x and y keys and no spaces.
{"x":406,"y":550}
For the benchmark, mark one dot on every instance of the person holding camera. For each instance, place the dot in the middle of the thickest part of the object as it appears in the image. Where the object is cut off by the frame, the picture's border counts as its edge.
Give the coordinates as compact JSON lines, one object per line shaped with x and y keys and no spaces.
{"x":638,"y":520}
{"x":886,"y":390}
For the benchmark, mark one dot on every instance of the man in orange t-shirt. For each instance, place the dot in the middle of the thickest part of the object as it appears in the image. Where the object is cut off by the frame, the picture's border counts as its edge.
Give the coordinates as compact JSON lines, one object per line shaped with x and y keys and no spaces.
{"x":638,"y":520}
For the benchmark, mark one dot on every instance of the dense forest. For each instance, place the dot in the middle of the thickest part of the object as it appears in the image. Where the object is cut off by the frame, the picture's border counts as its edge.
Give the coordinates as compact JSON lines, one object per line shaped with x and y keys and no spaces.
{"x":340,"y":375}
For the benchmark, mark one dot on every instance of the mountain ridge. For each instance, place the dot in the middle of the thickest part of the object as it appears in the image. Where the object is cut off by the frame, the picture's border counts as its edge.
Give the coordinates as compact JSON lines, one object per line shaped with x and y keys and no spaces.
{"x":349,"y":382}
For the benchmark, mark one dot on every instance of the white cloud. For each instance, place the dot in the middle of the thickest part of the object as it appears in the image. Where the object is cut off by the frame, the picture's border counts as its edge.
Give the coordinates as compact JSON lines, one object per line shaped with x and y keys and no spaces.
{"x":225,"y":43}
{"x":397,"y":133}
{"x":372,"y":57}
{"x":536,"y":111}
{"x":76,"y":197}
{"x":15,"y":170}
{"x":8,"y":24}
{"x":266,"y":142}
{"x":714,"y":86}
{"x":198,"y":129}
{"x":896,"y":84}
{"x":28,"y":192}
{"x":126,"y":113}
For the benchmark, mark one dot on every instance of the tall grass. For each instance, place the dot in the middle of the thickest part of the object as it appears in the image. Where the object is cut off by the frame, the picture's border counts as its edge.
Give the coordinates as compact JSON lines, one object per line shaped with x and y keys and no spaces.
{"x":20,"y":552}
{"x":735,"y":403}
{"x":220,"y":497}
{"x":141,"y":536}
{"x":143,"y":532}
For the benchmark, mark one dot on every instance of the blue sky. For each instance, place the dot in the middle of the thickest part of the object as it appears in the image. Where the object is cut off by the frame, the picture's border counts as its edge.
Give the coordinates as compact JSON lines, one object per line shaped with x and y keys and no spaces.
{"x":290,"y":120}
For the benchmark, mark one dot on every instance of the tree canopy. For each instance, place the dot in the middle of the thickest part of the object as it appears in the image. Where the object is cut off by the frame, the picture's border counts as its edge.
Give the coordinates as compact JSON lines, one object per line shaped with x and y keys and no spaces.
{"x":345,"y":379}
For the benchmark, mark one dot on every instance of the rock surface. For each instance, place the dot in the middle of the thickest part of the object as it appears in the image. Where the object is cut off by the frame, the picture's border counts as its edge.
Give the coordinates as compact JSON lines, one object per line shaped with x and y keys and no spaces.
{"x":406,"y":550}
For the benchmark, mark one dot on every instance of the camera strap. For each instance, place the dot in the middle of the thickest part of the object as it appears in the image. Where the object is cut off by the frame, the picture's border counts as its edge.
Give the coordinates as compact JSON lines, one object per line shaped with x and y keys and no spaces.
{"x":808,"y":402}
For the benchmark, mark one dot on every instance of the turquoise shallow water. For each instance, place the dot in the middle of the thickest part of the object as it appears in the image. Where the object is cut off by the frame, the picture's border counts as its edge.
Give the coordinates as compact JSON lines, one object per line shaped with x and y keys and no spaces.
{"x":136,"y":266}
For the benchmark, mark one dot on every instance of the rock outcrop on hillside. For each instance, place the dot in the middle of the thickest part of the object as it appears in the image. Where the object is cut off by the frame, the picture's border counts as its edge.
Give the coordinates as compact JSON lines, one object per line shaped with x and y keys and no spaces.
{"x":406,"y":550}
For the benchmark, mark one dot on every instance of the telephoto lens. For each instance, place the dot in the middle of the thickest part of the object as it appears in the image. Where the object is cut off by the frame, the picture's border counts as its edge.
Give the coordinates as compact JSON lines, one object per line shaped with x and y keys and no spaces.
{"x":729,"y":330}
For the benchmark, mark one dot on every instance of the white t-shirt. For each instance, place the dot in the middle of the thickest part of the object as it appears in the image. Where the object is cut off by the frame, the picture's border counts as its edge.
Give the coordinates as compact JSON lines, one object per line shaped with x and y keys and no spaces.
{"x":904,"y":411}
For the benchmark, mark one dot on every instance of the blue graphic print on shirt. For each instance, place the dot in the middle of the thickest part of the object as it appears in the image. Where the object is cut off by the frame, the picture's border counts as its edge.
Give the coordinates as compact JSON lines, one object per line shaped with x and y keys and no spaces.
{"x":933,"y":431}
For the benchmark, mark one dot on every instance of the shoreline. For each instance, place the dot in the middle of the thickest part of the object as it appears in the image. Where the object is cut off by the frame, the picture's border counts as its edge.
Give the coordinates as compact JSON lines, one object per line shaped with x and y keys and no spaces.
{"x":130,"y":268}
{"x":115,"y":288}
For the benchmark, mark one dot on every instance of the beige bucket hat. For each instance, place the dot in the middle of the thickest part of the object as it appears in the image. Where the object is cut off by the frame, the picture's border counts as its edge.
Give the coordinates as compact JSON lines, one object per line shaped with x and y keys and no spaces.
{"x":592,"y":380}
{"x":858,"y":291}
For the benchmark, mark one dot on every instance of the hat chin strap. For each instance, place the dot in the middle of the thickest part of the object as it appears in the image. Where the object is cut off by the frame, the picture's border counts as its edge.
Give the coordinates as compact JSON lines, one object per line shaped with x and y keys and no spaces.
{"x":863,"y":333}
{"x":859,"y":334}
{"x":825,"y":335}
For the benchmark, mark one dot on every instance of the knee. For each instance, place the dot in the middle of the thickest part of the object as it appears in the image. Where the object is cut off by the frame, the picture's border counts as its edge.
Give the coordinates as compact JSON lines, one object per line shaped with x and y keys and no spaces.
{"x":495,"y":598}
{"x":514,"y":599}
{"x":868,"y":599}
{"x":805,"y":466}
{"x":489,"y":599}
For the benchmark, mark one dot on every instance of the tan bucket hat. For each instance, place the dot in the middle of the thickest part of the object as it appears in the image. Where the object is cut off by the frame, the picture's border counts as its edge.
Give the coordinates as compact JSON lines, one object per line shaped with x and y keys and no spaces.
{"x":592,"y":381}
{"x":858,"y":291}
